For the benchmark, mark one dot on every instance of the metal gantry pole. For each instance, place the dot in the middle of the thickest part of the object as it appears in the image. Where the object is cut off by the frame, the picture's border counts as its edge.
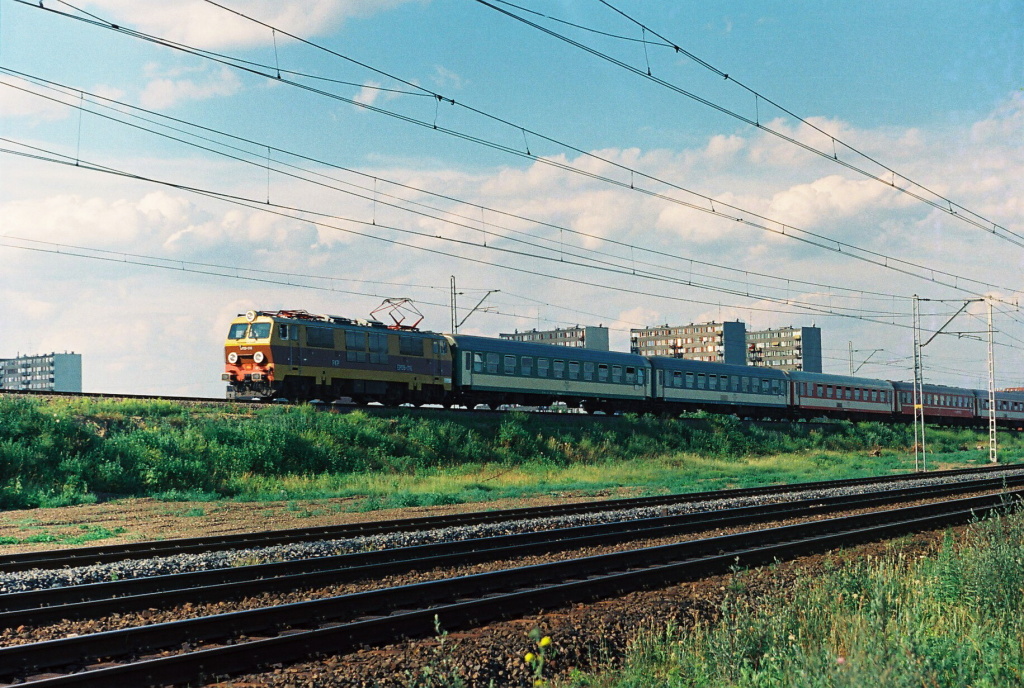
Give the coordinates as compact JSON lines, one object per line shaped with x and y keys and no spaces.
{"x":993,"y":450}
{"x":455,"y":320}
{"x":920,"y":458}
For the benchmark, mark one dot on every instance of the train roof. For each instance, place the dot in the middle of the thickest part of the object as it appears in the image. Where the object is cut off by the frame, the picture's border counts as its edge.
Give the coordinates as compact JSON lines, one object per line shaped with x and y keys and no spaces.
{"x":507,"y":346}
{"x":843,"y":380}
{"x":301,"y":316}
{"x":711,"y":368}
{"x":942,"y":389}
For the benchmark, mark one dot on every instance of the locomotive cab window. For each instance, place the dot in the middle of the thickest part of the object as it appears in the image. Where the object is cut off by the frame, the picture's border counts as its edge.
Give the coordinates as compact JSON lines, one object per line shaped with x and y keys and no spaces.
{"x":260,"y":331}
{"x":284,"y":331}
{"x":238,"y":331}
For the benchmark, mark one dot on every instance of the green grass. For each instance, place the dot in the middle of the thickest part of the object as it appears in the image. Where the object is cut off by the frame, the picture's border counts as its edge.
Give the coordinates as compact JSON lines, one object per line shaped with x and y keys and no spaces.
{"x":954,"y":619}
{"x":55,"y":452}
{"x":83,"y":534}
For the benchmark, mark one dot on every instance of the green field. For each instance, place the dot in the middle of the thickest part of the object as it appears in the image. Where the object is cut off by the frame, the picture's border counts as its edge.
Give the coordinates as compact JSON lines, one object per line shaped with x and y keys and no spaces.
{"x":67,"y":451}
{"x":946,"y":621}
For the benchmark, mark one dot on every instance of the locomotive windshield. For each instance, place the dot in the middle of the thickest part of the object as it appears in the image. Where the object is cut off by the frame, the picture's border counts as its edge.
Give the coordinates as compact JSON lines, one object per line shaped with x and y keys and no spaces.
{"x":254,"y":331}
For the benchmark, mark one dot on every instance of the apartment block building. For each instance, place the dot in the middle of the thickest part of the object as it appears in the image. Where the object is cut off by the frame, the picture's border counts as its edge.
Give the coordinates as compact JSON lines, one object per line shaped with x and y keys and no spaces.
{"x":44,"y":372}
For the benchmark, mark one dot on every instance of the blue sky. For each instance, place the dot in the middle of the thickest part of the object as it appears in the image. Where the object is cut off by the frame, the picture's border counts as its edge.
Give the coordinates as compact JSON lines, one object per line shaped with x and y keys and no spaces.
{"x":935,"y":94}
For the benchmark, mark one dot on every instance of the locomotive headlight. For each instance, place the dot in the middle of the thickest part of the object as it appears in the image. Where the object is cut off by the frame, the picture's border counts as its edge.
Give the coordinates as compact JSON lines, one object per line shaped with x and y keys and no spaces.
{"x":233,"y":357}
{"x":258,"y":357}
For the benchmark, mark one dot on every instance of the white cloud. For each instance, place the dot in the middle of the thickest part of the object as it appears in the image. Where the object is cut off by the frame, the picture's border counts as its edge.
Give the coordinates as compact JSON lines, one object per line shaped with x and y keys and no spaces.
{"x":16,"y":102}
{"x":369,"y":93}
{"x":164,"y":92}
{"x":201,"y":24}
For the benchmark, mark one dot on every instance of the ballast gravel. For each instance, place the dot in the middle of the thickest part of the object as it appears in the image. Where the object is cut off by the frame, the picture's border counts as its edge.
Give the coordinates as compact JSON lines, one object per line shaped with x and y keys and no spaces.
{"x":36,"y":579}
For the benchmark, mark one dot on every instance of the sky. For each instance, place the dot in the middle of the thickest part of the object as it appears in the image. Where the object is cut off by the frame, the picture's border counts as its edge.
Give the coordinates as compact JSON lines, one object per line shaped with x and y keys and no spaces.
{"x":165,"y":166}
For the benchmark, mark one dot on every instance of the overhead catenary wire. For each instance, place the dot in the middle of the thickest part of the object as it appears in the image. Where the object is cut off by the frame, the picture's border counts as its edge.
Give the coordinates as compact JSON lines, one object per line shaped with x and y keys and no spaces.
{"x":744,"y":217}
{"x":889,"y":176}
{"x":289,"y":212}
{"x":789,"y":282}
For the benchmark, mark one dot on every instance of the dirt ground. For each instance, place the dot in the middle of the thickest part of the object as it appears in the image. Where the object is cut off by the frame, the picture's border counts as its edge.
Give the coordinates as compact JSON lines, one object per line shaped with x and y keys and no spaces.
{"x":132,"y":520}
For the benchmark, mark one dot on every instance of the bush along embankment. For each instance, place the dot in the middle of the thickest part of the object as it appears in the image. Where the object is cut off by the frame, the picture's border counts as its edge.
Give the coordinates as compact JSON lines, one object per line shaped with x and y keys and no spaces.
{"x":57,"y":451}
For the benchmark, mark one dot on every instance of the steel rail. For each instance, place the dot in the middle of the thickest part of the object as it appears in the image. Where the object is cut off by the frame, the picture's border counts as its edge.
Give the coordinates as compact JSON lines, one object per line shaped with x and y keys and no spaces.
{"x":346,"y":622}
{"x":37,"y":607}
{"x":83,"y":556}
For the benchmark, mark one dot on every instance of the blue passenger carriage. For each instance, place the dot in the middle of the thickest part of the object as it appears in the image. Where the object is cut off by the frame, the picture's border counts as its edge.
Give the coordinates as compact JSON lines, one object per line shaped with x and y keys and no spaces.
{"x":681,"y":384}
{"x":941,"y":404}
{"x":1009,"y":408}
{"x":498,"y":371}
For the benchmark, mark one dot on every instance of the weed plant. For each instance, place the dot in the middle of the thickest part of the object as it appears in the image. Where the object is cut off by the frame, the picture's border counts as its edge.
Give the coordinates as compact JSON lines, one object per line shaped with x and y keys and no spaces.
{"x":55,"y":452}
{"x":950,"y":620}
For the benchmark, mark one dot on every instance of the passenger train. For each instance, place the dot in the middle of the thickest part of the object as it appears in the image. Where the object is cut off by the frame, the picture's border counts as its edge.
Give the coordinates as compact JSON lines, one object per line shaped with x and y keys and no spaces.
{"x":299,"y":356}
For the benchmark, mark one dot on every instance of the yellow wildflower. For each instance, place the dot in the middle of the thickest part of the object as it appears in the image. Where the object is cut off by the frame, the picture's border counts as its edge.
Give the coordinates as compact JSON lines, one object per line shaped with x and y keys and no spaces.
{"x":545,"y":641}
{"x":530,"y":657}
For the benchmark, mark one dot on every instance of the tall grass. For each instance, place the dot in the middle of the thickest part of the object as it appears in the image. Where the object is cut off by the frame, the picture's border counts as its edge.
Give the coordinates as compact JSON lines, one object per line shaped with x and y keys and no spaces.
{"x":63,"y":451}
{"x":953,"y":619}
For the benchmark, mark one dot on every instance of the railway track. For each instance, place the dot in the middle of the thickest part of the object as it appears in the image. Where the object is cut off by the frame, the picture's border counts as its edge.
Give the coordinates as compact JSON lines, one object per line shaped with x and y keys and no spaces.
{"x":110,"y":553}
{"x":194,"y":649}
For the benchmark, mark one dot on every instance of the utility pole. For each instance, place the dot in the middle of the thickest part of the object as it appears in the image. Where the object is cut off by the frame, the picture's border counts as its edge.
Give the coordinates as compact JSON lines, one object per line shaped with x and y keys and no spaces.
{"x":993,"y":450}
{"x":456,"y":323}
{"x":920,"y":458}
{"x":853,"y":371}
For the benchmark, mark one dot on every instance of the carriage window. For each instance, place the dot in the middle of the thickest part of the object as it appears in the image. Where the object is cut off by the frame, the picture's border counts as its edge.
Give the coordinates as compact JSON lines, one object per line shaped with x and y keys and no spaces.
{"x":238,"y":331}
{"x":746,"y":383}
{"x":677,"y":379}
{"x":849,"y":393}
{"x":775,"y":386}
{"x":616,"y":373}
{"x":588,"y":370}
{"x":354,"y":341}
{"x":689,"y":380}
{"x":765,"y":386}
{"x":478,"y":362}
{"x":639,"y":376}
{"x":510,"y":365}
{"x":874,"y":395}
{"x":712,"y":382}
{"x":821,"y":391}
{"x":542,"y":367}
{"x":574,"y":370}
{"x":602,"y":372}
{"x":559,"y":369}
{"x":630,"y":376}
{"x":492,"y":364}
{"x":526,"y":365}
{"x":828,"y":391}
{"x":320,"y":337}
{"x":700,"y":381}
